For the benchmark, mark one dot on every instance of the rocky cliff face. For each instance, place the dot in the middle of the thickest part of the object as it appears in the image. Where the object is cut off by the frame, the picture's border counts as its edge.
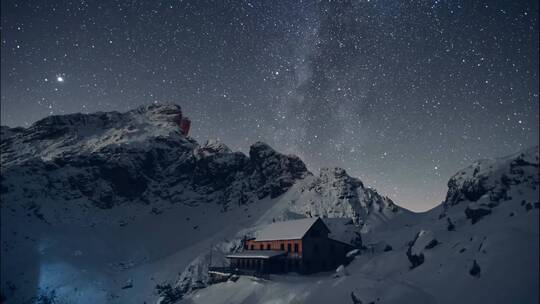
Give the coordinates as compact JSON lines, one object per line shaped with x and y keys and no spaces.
{"x":336,"y":194}
{"x":109,"y":159}
{"x":140,"y":156}
{"x":488,"y":183}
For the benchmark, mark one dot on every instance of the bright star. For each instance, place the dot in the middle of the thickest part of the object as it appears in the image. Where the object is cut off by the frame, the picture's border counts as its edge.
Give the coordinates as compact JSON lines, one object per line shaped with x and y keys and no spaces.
{"x":60,"y":79}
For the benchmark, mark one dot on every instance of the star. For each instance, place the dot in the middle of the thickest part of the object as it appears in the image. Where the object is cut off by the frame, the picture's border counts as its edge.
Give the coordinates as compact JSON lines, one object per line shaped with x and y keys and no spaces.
{"x":320,"y":80}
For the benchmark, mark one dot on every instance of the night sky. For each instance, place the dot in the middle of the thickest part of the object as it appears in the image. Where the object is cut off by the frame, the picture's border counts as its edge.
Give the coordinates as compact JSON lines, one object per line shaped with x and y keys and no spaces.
{"x":400,"y":93}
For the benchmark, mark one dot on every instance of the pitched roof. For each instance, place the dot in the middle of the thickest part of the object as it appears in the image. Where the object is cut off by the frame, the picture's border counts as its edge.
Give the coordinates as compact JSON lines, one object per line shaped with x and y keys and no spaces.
{"x":260,"y":254}
{"x":288,"y":230}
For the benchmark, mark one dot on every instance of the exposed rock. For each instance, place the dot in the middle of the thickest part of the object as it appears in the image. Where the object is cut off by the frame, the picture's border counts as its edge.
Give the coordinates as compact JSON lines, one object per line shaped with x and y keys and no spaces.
{"x":128,"y":284}
{"x":476,"y":213}
{"x":475,"y":269}
{"x":136,"y":157}
{"x":336,"y":194}
{"x":432,"y":244}
{"x":168,"y":294}
{"x":493,"y":178}
{"x":353,"y":253}
{"x":341,"y":271}
{"x":354,"y":299}
{"x":450,"y":226}
{"x":416,"y":247}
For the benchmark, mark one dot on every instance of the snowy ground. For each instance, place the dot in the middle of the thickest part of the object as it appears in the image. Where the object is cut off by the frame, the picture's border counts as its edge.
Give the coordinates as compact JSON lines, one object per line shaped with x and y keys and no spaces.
{"x":93,"y":264}
{"x":506,"y":249}
{"x":480,"y":246}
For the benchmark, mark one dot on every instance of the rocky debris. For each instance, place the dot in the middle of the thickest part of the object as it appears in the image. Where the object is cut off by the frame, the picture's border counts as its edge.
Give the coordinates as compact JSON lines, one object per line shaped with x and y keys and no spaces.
{"x":423,"y":240}
{"x":355,"y":299}
{"x":128,"y":284}
{"x":432,"y":244}
{"x":341,"y":271}
{"x":46,"y":297}
{"x":476,"y":212}
{"x":378,"y":247}
{"x":475,"y":269}
{"x":168,"y":294}
{"x":415,"y":259}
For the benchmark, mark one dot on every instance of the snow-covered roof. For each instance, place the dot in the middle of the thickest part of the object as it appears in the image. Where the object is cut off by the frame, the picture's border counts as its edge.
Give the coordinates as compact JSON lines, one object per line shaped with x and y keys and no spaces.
{"x":259,"y":254}
{"x":288,"y":230}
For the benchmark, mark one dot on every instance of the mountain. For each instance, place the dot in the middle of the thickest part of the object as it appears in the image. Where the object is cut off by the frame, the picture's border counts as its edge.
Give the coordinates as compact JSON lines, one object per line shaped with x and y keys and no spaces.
{"x":103,"y":207}
{"x":481,"y":245}
{"x":110,"y":159}
{"x":112,"y":207}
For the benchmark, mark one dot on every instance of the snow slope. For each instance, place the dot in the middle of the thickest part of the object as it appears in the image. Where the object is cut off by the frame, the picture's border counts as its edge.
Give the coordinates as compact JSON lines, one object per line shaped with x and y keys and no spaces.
{"x":446,"y":255}
{"x":101,"y":208}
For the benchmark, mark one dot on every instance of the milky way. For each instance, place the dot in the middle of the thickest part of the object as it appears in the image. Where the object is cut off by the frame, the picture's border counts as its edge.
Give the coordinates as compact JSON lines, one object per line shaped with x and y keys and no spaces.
{"x":401,"y":94}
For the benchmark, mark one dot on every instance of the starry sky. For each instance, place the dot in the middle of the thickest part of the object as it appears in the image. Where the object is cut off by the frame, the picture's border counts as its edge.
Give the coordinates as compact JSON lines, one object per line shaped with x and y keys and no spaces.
{"x":402,"y":94}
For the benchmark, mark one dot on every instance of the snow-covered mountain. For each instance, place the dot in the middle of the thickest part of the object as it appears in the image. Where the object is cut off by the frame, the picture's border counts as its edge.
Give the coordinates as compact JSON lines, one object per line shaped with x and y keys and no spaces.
{"x":481,"y":245}
{"x":103,"y":207}
{"x":121,"y":207}
{"x":110,"y":159}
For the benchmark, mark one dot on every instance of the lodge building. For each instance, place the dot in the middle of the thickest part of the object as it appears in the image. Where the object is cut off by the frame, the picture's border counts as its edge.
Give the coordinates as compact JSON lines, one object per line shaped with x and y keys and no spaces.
{"x":301,"y":246}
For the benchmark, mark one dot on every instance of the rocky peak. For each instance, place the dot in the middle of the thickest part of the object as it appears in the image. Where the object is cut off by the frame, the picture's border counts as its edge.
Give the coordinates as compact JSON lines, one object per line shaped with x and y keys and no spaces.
{"x":270,"y":163}
{"x":159,"y":113}
{"x":338,"y":176}
{"x":159,"y":109}
{"x":139,"y":156}
{"x":494,"y":179}
{"x":260,"y":150}
{"x":336,"y":194}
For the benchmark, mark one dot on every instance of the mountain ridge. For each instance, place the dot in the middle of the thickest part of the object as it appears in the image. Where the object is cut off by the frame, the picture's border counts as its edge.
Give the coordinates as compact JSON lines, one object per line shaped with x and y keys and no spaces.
{"x":105,"y":207}
{"x":128,"y":176}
